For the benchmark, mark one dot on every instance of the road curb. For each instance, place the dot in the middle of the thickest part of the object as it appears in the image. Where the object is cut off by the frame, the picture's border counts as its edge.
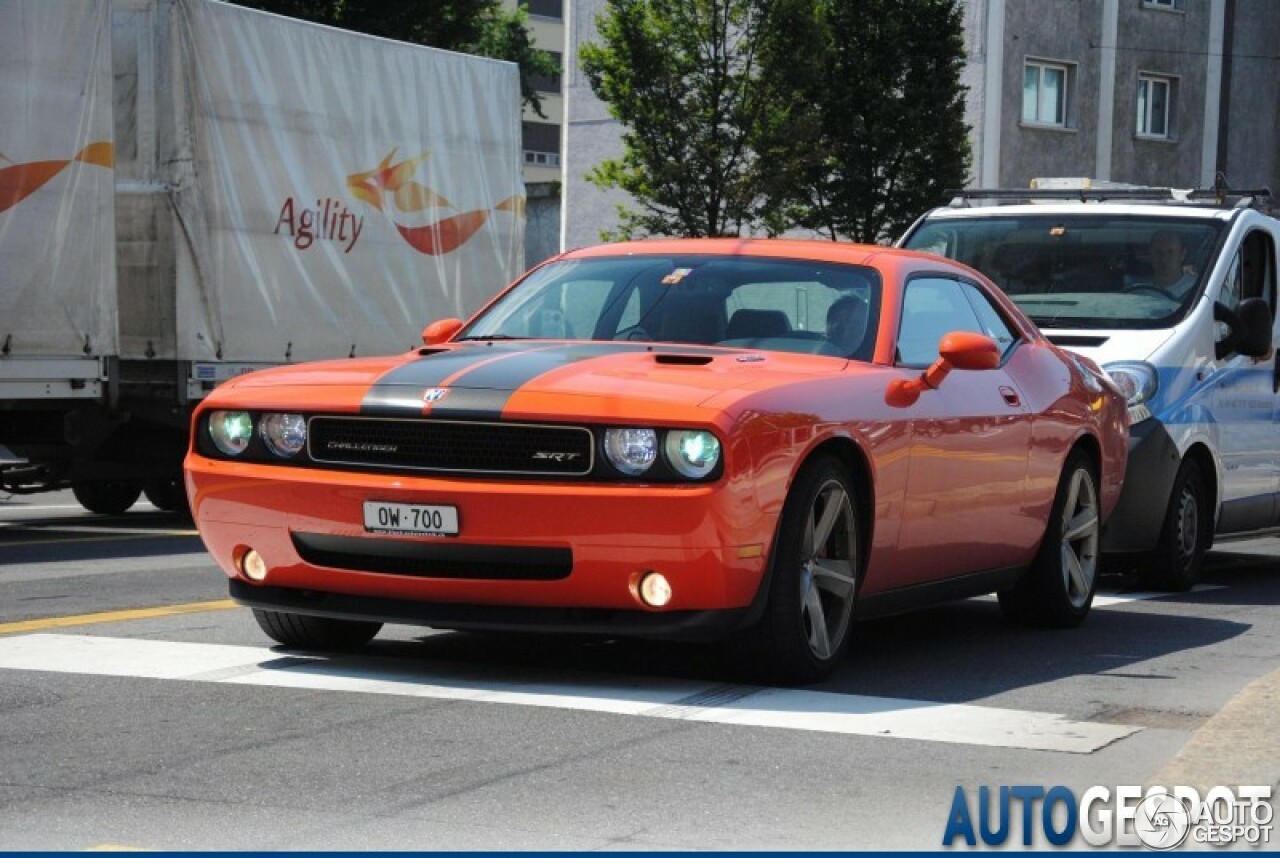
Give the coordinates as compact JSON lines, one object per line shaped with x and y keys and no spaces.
{"x":1236,"y":746}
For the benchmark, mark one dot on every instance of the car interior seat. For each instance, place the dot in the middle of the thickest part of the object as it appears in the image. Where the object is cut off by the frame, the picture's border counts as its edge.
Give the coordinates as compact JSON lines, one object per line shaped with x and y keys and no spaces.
{"x":756,"y":324}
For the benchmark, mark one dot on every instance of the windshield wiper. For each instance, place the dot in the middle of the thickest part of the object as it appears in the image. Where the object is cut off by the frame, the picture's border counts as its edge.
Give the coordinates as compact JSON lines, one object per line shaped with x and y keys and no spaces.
{"x":489,"y":337}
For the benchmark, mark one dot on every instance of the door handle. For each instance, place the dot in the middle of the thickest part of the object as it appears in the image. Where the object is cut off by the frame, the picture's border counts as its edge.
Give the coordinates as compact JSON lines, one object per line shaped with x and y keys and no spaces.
{"x":1010,"y":396}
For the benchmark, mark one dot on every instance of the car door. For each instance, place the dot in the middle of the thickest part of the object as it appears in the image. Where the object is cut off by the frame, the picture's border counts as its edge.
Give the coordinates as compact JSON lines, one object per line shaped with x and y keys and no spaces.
{"x":969,"y":447}
{"x":1244,"y":399}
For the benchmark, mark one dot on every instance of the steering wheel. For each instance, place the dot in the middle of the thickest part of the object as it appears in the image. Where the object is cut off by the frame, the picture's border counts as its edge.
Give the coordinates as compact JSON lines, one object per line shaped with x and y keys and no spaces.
{"x":1147,"y":287}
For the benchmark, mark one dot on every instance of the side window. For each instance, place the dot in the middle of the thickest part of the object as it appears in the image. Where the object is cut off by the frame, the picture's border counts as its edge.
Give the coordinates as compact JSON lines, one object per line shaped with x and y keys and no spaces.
{"x":932,"y":307}
{"x":993,"y":324}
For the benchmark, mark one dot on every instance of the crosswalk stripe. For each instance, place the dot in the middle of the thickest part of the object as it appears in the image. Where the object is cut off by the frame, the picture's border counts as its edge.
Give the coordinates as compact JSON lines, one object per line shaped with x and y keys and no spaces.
{"x":1104,"y":600}
{"x":685,"y":700}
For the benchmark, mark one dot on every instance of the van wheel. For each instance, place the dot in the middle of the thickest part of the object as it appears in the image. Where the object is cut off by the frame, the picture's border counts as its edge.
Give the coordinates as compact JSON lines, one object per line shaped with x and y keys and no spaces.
{"x":1058,"y":589}
{"x":1179,"y":554}
{"x":106,"y":497}
{"x":808,"y":619}
{"x":307,"y":632}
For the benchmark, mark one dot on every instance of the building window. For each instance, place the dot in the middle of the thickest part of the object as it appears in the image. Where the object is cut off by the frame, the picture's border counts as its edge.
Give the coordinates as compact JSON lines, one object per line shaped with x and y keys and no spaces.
{"x":541,"y":143}
{"x":1155,"y":106}
{"x":548,"y":82}
{"x":1169,"y":5}
{"x":1045,"y":93}
{"x":545,"y":8}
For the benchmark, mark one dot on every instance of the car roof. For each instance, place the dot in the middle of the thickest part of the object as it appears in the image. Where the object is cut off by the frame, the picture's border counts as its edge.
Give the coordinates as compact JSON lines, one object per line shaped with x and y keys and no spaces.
{"x":778,"y":248}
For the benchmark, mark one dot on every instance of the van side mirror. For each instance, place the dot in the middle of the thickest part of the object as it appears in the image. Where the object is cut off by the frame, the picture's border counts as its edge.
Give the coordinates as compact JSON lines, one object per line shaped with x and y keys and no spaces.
{"x":1248,"y":329}
{"x":956,"y":350}
{"x":440,"y":331}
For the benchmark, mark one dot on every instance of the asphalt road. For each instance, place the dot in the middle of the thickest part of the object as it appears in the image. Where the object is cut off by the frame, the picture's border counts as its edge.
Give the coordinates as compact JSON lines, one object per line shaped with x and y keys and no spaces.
{"x":139,"y":709}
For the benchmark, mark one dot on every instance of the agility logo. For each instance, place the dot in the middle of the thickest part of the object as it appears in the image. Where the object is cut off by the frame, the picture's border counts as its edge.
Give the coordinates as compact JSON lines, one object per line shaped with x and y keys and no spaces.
{"x":19,"y":181}
{"x":425,"y":220}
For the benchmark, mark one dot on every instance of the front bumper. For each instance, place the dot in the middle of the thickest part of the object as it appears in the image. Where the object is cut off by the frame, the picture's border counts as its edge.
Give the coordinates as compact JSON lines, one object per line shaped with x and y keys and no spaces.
{"x":1153,"y":465}
{"x":546,"y":549}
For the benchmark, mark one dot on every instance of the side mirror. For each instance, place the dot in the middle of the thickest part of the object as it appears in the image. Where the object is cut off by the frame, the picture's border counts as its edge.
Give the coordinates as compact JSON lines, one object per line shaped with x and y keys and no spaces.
{"x":440,"y":331}
{"x":956,"y":350}
{"x":1248,"y":329}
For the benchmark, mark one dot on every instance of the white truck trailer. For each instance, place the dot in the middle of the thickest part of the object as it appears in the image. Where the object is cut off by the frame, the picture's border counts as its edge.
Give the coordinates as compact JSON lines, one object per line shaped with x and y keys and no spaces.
{"x":190,"y":190}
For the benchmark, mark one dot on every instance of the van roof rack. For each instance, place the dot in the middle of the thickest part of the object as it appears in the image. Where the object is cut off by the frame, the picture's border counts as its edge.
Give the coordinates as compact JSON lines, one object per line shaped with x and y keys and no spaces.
{"x":1259,"y":198}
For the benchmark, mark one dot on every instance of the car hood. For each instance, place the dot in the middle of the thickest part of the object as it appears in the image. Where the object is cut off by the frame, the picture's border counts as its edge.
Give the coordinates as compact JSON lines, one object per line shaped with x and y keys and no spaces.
{"x":528,"y":380}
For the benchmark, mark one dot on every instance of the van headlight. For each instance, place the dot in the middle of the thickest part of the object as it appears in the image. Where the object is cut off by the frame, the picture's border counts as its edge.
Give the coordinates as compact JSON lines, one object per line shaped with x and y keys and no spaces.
{"x":1138,"y":381}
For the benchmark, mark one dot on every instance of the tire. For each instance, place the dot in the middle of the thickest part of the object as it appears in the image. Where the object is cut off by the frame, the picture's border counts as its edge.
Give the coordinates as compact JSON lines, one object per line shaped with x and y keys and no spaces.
{"x":167,"y":495}
{"x":1058,"y":589}
{"x":106,"y":497}
{"x":808,"y":617}
{"x":323,"y":633}
{"x":1176,"y":562}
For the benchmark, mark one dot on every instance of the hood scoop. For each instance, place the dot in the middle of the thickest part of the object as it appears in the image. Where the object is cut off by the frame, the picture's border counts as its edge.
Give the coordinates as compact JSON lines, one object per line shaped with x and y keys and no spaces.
{"x":1067,"y":341}
{"x":682,"y":360}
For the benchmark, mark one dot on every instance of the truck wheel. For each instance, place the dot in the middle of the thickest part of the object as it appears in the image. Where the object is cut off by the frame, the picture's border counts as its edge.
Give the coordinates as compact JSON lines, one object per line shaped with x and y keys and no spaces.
{"x":106,"y":497}
{"x":1058,"y":589}
{"x":808,"y":619}
{"x":322,"y":633}
{"x":167,"y":495}
{"x":1175,"y":564}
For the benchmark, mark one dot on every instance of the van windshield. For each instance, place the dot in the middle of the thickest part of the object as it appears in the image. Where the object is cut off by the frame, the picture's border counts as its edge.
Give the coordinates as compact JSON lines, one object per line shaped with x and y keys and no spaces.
{"x":1084,"y":271}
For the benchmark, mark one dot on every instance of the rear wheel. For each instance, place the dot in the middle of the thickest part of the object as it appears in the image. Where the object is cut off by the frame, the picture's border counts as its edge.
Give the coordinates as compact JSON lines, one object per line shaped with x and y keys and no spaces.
{"x":1058,"y":589}
{"x":167,"y":495}
{"x":307,"y":632}
{"x":808,"y":619}
{"x":106,"y":497}
{"x":1175,"y":564}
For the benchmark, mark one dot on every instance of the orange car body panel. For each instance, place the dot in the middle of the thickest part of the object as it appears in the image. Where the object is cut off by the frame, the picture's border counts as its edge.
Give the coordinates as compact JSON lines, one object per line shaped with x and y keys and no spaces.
{"x":959,"y":481}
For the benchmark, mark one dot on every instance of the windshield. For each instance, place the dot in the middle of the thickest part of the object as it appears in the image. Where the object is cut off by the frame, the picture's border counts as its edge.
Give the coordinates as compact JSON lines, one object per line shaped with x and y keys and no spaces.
{"x":1084,"y":271}
{"x":734,"y":301}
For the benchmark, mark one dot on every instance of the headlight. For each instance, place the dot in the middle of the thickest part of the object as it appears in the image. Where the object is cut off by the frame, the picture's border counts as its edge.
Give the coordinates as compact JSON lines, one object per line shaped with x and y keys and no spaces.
{"x":632,"y":451}
{"x":1138,"y":382}
{"x":284,"y":434}
{"x":692,"y":452}
{"x":231,"y":431}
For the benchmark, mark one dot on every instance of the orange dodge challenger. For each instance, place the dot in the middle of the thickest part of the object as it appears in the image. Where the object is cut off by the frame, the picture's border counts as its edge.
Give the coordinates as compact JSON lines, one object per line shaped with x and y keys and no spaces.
{"x":757,"y":441}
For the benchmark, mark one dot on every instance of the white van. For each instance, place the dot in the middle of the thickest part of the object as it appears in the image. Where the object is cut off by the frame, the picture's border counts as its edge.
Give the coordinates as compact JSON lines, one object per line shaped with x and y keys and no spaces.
{"x":1174,"y":294}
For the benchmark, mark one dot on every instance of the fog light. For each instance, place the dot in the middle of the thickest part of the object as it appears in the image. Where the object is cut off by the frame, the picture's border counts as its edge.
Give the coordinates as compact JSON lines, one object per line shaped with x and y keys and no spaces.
{"x":253,"y":566}
{"x":655,"y":590}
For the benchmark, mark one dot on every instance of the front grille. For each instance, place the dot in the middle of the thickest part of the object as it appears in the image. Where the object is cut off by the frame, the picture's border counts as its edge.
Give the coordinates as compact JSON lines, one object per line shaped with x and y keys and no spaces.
{"x":456,"y":446}
{"x":434,"y":559}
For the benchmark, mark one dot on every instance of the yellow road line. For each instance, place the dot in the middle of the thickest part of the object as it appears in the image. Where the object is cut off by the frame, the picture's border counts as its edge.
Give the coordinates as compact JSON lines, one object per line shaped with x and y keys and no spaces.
{"x":114,"y":616}
{"x":90,"y":538}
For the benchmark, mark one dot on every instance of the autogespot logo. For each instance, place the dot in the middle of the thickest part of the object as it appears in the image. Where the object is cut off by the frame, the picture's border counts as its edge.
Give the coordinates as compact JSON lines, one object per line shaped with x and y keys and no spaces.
{"x":1157,"y":817}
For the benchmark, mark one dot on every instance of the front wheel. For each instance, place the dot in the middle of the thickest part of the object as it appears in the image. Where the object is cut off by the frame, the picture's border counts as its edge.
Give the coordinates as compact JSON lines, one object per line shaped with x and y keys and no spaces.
{"x":307,"y":632}
{"x":1058,"y":589}
{"x":106,"y":497}
{"x":808,"y":619}
{"x":1184,"y":536}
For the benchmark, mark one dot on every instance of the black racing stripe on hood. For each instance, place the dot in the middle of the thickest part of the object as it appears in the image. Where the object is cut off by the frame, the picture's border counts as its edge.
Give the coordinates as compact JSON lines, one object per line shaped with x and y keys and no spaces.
{"x":399,"y":392}
{"x":482,"y":393}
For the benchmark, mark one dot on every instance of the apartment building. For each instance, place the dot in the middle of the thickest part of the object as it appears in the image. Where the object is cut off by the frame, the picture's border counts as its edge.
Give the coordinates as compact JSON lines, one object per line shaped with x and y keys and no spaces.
{"x":1158,"y":92}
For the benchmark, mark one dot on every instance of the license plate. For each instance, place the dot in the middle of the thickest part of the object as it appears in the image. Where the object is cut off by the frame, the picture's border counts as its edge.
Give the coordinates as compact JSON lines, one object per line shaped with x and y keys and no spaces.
{"x":385,"y":517}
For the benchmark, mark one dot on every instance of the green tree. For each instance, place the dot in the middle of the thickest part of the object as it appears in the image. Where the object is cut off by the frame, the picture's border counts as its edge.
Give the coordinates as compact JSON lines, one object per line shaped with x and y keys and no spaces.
{"x":480,"y":27}
{"x":880,"y":82}
{"x":683,"y":77}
